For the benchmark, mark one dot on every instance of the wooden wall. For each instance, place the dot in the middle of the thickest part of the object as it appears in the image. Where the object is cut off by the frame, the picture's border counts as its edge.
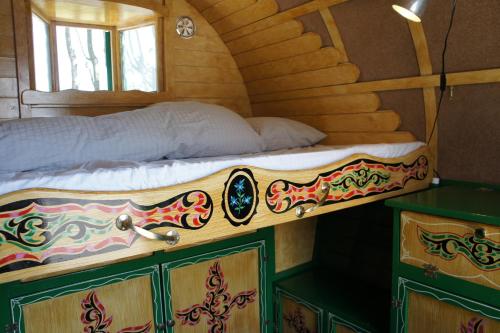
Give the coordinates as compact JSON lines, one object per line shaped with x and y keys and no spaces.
{"x":8,"y":77}
{"x":200,"y":68}
{"x":288,"y":71}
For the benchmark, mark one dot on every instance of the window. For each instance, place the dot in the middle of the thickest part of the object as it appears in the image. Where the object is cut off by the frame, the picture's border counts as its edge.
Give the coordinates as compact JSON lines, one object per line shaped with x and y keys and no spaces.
{"x":138,"y":58}
{"x":41,"y":47}
{"x":83,"y":58}
{"x":78,"y":45}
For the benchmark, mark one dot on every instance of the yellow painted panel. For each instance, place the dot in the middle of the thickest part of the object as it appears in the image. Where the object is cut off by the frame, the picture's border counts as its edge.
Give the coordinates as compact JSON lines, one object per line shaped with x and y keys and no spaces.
{"x":238,"y":274}
{"x":426,"y":314}
{"x":415,"y":251}
{"x":122,"y":305}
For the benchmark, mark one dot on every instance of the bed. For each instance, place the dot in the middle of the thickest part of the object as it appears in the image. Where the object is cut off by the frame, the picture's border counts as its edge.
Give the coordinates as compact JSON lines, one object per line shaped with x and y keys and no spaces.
{"x":101,"y":212}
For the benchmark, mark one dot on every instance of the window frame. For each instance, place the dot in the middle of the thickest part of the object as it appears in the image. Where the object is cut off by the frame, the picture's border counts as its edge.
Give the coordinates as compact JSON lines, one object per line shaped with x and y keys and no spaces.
{"x":113,"y":51}
{"x":159,"y":73}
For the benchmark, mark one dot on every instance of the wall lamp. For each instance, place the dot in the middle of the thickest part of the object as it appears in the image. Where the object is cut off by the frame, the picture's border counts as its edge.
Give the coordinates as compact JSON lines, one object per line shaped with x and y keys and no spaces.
{"x":411,"y":9}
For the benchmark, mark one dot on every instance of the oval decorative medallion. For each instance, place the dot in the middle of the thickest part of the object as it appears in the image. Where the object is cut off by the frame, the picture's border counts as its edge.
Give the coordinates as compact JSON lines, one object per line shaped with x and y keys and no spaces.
{"x":185,"y":27}
{"x":240,"y":197}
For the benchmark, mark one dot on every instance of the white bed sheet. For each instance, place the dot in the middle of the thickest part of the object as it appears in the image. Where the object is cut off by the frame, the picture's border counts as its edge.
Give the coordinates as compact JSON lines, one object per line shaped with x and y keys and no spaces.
{"x":123,"y":175}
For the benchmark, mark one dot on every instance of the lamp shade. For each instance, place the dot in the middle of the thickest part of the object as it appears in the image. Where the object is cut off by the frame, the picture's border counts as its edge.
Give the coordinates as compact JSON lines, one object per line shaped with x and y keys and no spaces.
{"x":411,"y":9}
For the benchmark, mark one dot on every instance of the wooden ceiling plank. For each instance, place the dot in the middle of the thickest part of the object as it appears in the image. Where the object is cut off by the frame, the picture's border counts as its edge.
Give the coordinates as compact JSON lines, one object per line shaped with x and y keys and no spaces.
{"x":322,"y":58}
{"x":341,"y":74}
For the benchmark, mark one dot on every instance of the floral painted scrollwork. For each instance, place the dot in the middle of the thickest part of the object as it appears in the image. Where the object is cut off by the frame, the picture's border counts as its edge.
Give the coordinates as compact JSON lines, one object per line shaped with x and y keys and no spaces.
{"x":483,"y":253}
{"x":40,"y":231}
{"x":357,"y":179}
{"x":296,"y":321}
{"x":475,"y":325}
{"x":240,"y":197}
{"x":218,"y":303}
{"x":96,"y":320}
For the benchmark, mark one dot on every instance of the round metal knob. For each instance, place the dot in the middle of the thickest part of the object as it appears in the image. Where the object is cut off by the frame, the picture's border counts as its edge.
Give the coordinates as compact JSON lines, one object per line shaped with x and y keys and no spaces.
{"x":480,"y":233}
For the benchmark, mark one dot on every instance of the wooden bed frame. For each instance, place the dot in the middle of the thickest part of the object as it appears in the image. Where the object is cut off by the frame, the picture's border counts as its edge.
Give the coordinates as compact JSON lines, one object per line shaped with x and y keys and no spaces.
{"x":43,"y":232}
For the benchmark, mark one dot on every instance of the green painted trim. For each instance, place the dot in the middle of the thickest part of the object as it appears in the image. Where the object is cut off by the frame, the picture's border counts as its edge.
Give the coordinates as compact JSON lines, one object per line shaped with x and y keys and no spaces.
{"x":405,"y":285}
{"x":451,"y":284}
{"x":334,"y":320}
{"x":109,"y":60}
{"x":279,"y":308}
{"x":16,"y":304}
{"x":476,"y":204}
{"x":396,"y":215}
{"x":259,"y":245}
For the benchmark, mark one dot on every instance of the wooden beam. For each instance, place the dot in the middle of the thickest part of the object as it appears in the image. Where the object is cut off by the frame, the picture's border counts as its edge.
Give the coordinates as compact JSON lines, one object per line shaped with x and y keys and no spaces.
{"x":279,"y":18}
{"x":96,"y":98}
{"x":334,"y":33}
{"x":22,"y":31}
{"x":425,"y":66}
{"x":415,"y":82}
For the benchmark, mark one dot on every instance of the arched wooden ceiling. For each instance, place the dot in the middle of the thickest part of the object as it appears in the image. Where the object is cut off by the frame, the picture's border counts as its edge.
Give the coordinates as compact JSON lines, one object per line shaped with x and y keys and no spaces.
{"x":382,"y":46}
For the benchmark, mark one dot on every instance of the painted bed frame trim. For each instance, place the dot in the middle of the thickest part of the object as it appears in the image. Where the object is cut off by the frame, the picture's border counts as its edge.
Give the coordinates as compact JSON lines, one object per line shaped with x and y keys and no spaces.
{"x":194,"y":210}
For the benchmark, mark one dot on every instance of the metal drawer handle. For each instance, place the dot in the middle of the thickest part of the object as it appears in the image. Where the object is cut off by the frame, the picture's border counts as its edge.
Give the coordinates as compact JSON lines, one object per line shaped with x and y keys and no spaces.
{"x":124,"y":222}
{"x":300,"y":211}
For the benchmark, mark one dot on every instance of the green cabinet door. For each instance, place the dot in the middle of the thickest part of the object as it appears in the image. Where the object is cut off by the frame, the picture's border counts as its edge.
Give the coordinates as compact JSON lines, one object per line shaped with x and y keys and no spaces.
{"x":426,"y":309}
{"x":123,"y":303}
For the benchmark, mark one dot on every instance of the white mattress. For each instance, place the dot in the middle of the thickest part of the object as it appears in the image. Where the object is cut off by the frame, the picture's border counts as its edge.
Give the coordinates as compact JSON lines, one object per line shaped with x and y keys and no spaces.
{"x":123,"y":176}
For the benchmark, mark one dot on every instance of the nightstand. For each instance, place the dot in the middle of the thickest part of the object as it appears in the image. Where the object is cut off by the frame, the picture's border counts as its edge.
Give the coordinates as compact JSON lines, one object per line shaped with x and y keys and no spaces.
{"x":446,"y":260}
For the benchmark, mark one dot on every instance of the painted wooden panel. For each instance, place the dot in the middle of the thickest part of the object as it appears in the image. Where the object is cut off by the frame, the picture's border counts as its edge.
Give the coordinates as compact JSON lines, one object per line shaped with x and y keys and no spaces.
{"x":125,"y":306}
{"x":316,"y":106}
{"x":218,"y":295}
{"x":380,"y":121}
{"x":345,"y":73}
{"x":225,"y":8}
{"x":297,"y":318}
{"x":306,"y":43}
{"x":70,"y":230}
{"x":294,"y":243}
{"x":426,"y":314}
{"x":325,"y":57}
{"x":451,"y":246}
{"x":276,"y":34}
{"x":352,"y":138}
{"x":261,"y":9}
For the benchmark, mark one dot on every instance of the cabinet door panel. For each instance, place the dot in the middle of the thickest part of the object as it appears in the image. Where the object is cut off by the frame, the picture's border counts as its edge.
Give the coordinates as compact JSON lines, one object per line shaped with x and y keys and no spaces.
{"x":430,"y":310}
{"x":296,"y":317}
{"x":217,"y":293}
{"x":121,"y":304}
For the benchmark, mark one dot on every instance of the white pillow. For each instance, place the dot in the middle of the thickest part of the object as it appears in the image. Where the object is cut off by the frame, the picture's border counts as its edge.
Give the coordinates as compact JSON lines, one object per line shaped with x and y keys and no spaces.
{"x":169,"y":129}
{"x":282,"y":133}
